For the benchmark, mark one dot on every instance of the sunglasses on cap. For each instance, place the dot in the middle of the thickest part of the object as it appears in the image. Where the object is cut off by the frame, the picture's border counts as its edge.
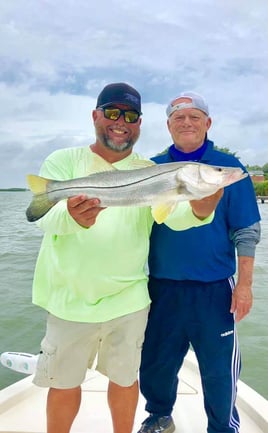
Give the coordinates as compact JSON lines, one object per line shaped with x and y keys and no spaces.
{"x":130,"y":116}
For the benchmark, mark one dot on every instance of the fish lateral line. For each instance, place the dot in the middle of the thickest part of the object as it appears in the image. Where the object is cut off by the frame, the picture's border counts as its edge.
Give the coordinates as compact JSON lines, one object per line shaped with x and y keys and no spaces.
{"x":174,"y":182}
{"x":98,"y":187}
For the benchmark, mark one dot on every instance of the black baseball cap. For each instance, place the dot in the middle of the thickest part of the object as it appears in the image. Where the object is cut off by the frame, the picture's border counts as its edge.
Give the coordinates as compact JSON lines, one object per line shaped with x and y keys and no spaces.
{"x":119,"y":93}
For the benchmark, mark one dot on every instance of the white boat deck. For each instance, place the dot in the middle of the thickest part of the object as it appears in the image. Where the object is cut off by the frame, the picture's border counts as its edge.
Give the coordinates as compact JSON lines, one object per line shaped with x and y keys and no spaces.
{"x":23,"y":405}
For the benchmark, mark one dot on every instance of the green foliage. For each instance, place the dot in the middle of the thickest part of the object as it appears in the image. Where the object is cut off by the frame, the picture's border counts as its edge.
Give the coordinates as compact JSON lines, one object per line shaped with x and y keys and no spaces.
{"x":261,"y":188}
{"x":254,"y":168}
{"x":265,"y":168}
{"x":226,"y":150}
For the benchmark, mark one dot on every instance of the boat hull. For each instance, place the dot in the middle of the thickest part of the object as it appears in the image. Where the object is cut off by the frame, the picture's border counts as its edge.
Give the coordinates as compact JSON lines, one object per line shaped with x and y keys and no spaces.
{"x":23,"y":406}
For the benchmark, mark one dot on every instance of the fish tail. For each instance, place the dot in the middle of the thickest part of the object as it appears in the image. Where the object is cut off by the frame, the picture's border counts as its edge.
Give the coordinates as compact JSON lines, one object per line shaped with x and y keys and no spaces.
{"x":40,"y":203}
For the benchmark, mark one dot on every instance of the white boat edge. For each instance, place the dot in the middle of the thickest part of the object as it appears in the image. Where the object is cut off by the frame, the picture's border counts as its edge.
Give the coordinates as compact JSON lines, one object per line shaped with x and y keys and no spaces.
{"x":22,"y":406}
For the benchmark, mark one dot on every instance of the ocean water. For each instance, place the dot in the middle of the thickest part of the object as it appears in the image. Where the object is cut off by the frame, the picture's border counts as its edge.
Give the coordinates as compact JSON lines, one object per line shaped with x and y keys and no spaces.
{"x":22,"y":324}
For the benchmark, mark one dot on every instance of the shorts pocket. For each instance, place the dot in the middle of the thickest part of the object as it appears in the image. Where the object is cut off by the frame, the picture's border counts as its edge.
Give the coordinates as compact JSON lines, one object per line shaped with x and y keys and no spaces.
{"x":47,"y":359}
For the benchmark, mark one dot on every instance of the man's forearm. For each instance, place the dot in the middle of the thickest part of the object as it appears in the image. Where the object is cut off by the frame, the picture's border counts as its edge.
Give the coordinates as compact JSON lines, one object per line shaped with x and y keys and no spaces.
{"x":245,"y":267}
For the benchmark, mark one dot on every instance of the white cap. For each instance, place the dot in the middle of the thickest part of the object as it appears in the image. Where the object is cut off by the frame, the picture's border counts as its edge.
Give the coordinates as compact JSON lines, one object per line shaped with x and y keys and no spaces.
{"x":197,"y":101}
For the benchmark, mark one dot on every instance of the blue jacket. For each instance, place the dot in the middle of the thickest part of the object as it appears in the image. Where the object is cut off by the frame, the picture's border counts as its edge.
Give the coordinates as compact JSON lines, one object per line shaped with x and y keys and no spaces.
{"x":208,"y":253}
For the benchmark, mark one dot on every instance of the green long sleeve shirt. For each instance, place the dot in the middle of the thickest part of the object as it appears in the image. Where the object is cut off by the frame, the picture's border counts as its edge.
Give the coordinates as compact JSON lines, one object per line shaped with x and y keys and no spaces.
{"x":96,"y":274}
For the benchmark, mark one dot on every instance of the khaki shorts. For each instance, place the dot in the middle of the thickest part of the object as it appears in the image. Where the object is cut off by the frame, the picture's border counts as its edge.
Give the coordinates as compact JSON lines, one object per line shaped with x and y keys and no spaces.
{"x":70,"y":348}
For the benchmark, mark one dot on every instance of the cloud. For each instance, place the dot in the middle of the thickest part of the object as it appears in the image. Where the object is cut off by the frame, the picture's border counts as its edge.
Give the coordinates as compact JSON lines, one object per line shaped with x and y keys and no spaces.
{"x":56,"y":56}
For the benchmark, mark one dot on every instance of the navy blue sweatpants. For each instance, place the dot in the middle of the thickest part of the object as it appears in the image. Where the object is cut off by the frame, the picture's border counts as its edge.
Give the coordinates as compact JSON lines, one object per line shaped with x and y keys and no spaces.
{"x":184,"y":312}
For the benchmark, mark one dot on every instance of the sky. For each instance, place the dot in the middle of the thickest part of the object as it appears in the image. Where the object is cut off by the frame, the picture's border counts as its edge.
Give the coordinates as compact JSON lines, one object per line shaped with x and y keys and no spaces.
{"x":57,"y":55}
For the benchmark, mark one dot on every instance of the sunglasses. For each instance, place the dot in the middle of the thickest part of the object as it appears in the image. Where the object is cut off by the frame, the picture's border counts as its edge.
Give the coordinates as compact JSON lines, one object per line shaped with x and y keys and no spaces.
{"x":130,"y":116}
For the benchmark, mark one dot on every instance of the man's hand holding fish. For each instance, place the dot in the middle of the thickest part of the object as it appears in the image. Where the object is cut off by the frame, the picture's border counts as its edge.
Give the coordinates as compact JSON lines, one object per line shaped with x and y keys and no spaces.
{"x":84,"y":210}
{"x":204,"y":207}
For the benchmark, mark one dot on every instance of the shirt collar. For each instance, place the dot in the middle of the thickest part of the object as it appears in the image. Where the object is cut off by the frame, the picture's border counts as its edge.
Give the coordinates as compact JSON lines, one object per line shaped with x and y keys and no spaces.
{"x":196,"y":155}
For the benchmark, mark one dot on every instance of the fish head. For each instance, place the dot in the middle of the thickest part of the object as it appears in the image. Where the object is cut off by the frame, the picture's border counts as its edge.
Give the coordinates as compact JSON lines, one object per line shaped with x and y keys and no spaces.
{"x":203,"y":179}
{"x":220,"y":176}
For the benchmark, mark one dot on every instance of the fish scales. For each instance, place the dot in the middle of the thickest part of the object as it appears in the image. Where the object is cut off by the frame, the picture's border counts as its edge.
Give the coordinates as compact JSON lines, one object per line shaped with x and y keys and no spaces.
{"x":112,"y":192}
{"x":160,"y":186}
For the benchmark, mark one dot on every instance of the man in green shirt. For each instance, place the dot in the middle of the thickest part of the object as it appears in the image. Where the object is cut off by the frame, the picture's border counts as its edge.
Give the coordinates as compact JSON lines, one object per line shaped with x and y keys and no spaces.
{"x":91,"y":271}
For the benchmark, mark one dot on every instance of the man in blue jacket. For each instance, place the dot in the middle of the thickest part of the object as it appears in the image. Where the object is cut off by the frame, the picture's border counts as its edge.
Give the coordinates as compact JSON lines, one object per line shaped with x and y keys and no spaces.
{"x":195,"y":299}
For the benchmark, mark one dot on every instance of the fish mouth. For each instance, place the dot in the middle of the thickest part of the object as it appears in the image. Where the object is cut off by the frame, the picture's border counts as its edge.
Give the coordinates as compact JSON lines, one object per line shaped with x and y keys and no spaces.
{"x":236,"y":175}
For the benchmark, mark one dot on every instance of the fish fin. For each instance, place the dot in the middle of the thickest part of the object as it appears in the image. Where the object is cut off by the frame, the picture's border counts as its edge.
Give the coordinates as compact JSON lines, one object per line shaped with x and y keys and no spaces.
{"x":140,"y":163}
{"x":40,"y":203}
{"x":161,"y":211}
{"x":38,"y":207}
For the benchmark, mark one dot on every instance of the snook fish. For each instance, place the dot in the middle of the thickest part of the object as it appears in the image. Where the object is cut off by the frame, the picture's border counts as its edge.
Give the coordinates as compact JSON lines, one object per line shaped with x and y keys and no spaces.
{"x":159,"y":186}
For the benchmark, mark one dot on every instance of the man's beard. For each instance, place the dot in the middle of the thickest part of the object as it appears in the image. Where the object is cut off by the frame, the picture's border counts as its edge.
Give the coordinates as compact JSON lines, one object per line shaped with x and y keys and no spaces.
{"x":107,"y":142}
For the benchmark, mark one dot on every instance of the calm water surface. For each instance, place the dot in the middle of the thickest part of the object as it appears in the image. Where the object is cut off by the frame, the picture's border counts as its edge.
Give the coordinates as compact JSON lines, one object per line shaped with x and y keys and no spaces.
{"x":23,"y":325}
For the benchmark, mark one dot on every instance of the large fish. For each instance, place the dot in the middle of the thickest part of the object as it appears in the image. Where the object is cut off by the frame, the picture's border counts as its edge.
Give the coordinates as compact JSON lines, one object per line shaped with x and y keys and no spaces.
{"x":159,"y":186}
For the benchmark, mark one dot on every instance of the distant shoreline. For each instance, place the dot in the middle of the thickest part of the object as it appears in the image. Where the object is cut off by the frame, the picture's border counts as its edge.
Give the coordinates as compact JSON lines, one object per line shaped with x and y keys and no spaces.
{"x":13,"y":189}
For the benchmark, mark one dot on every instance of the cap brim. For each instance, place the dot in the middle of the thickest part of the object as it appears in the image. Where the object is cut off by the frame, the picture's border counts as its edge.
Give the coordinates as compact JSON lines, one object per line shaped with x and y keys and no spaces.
{"x":119,"y":102}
